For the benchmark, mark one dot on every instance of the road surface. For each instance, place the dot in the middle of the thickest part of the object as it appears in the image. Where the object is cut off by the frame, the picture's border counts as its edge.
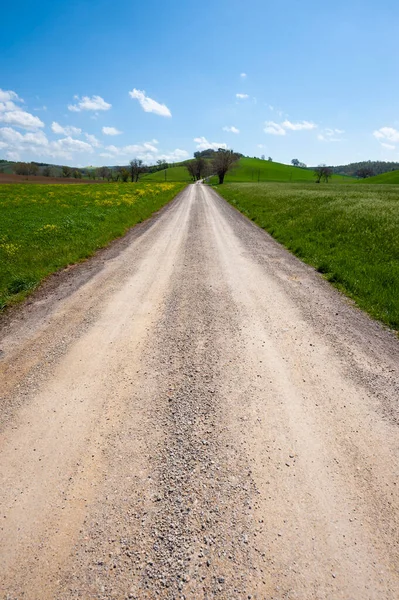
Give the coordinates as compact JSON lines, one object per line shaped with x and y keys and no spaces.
{"x":194,"y":413}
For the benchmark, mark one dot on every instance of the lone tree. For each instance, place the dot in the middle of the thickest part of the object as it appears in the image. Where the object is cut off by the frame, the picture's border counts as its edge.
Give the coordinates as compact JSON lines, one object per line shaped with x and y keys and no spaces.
{"x":136,"y":168}
{"x":222,"y":162}
{"x":323,"y":172}
{"x":295,"y":162}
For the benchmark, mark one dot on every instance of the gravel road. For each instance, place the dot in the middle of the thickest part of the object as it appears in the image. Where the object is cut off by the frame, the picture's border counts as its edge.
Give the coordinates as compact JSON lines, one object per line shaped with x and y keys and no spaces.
{"x":194,"y":413}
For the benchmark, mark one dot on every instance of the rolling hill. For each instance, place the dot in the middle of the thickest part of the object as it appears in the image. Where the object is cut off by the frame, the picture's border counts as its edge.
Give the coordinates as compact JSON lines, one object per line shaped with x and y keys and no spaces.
{"x":390,"y":178}
{"x":249,"y":170}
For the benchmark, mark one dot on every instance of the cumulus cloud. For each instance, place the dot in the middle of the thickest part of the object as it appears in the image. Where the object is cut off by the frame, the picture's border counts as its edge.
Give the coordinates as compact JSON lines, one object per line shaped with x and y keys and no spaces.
{"x":70,"y":145}
{"x":302,"y":125}
{"x":147,"y":151}
{"x":243,"y":75}
{"x":242,"y":96}
{"x":92,"y":140}
{"x":174,"y":156}
{"x":9,"y":96}
{"x":20,"y":118}
{"x":111,"y":131}
{"x":38,"y":144}
{"x":68,"y":130}
{"x":387,"y":133}
{"x":274,"y":128}
{"x":231,"y":129}
{"x":150,"y":105}
{"x":12,"y":114}
{"x":203,"y":144}
{"x":86,"y":103}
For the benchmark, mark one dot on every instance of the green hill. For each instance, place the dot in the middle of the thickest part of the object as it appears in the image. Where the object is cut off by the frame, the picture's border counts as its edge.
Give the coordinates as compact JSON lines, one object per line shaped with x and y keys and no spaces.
{"x":255,"y":169}
{"x":170,"y":174}
{"x":248,"y":170}
{"x":392,"y":177}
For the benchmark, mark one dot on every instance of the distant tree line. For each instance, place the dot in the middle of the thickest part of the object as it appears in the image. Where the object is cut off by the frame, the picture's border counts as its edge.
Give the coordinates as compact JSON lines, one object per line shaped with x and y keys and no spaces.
{"x":366,"y":168}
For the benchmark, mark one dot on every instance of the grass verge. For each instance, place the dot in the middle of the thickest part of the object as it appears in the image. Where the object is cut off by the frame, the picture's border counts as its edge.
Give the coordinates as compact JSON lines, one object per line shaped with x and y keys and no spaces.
{"x":349,"y":233}
{"x":44,"y":228}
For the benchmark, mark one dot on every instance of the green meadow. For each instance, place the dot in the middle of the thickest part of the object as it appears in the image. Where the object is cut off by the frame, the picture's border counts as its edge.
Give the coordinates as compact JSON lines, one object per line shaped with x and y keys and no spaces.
{"x":44,"y":228}
{"x":179,"y":173}
{"x":349,"y":233}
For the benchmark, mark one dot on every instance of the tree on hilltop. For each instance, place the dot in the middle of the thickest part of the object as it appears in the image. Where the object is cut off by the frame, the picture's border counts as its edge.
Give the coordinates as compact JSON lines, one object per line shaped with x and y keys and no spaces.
{"x":222,"y":162}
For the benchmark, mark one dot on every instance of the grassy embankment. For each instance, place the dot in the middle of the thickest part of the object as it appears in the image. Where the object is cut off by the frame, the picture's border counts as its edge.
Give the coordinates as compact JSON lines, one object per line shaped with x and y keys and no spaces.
{"x":348,"y":233}
{"x":44,"y":228}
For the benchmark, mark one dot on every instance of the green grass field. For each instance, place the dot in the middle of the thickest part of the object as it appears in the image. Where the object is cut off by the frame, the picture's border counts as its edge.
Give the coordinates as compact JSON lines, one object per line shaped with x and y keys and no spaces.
{"x":392,"y":178}
{"x":46,"y":227}
{"x":348,"y":233}
{"x":172,"y":174}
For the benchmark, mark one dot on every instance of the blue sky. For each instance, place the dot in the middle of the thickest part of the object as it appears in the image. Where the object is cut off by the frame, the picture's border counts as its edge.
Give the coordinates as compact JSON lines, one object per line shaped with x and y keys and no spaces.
{"x":101,"y":82}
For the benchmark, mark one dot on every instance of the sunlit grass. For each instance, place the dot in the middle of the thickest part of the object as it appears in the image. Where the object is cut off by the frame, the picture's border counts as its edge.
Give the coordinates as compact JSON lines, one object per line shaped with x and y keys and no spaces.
{"x":46,"y":227}
{"x":349,"y":233}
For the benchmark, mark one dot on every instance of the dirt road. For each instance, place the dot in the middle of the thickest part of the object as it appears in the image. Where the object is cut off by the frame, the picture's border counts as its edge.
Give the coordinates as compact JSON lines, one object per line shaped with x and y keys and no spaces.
{"x":194,"y":413}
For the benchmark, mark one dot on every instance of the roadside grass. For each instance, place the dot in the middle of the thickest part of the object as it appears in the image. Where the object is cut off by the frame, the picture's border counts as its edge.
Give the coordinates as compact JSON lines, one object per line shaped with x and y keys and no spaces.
{"x":348,"y":233}
{"x":44,"y":228}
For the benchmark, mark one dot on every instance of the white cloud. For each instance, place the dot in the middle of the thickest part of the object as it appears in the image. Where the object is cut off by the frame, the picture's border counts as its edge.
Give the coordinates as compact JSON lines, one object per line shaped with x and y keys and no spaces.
{"x":174,"y":156}
{"x":92,"y":140}
{"x":68,"y":130}
{"x":8,"y":95}
{"x":20,"y":118}
{"x":150,"y":105}
{"x":388,"y":146}
{"x":68,"y":145}
{"x":261,"y":146}
{"x":242,"y":96}
{"x":203,"y":144}
{"x":87,"y":103}
{"x":37,"y":144}
{"x":302,"y":125}
{"x":387,"y":133}
{"x":12,"y":114}
{"x":111,"y":131}
{"x":231,"y":129}
{"x":330,"y":135}
{"x":274,"y":128}
{"x":132,"y":149}
{"x":13,"y":155}
{"x":147,"y":151}
{"x":243,"y":75}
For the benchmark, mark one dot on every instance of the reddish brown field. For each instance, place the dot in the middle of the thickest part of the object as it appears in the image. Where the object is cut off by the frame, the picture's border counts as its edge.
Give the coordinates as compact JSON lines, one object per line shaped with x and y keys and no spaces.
{"x":11,"y":178}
